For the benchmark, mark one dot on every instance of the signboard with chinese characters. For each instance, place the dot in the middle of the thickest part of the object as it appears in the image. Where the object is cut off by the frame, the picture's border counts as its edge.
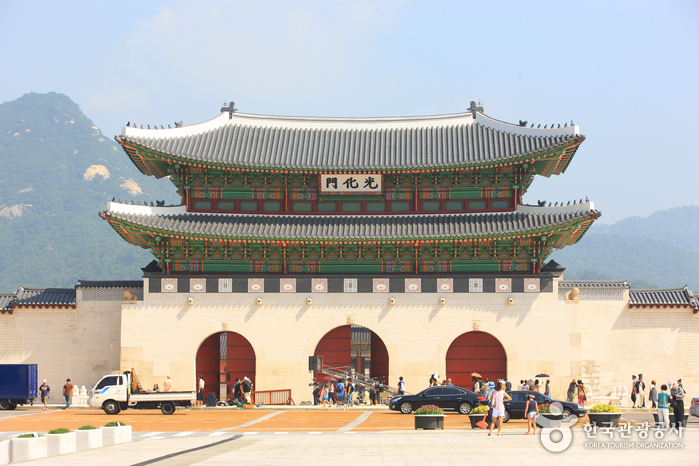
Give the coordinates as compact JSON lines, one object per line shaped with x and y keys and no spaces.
{"x":366,"y":183}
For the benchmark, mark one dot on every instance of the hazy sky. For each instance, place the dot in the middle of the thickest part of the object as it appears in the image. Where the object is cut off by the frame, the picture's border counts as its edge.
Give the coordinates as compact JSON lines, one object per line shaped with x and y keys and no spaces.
{"x":626,"y":72}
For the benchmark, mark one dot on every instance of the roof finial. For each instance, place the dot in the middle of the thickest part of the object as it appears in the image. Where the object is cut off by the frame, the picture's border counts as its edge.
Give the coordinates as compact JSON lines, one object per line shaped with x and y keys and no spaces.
{"x":475,"y":108}
{"x":230,"y":109}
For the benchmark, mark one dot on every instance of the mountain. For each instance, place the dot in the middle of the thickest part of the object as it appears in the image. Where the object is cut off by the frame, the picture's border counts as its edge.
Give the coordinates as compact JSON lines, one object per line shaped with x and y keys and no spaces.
{"x":57,"y":171}
{"x":658,"y":251}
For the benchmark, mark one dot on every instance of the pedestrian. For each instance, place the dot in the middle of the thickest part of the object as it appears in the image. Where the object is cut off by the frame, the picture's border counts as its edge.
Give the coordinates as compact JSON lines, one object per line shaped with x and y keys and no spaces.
{"x":247,"y":389}
{"x":238,"y":391}
{"x":476,"y":385}
{"x":401,"y":386}
{"x":508,"y":385}
{"x":315,"y":392}
{"x":532,"y":410}
{"x":351,"y":389}
{"x":663,"y":408}
{"x":167,"y":386}
{"x":68,"y":392}
{"x":45,"y":391}
{"x":571,"y":391}
{"x":324,"y":395}
{"x":653,"y":394}
{"x":525,"y":386}
{"x":156,"y":388}
{"x":536,"y":385}
{"x":331,"y":393}
{"x":521,"y":385}
{"x":340,"y":393}
{"x":547,"y":389}
{"x":200,"y":394}
{"x":449,"y":384}
{"x":499,"y":397}
{"x":372,"y":395}
{"x":640,"y":392}
{"x":444,"y":382}
{"x":581,"y":393}
{"x":678,"y":405}
{"x":633,"y":391}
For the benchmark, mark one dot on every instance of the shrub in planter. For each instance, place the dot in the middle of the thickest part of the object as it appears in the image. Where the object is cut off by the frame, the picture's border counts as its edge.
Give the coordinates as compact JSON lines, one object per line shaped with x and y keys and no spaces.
{"x":60,"y":442}
{"x":477,"y":414}
{"x":88,"y":437}
{"x":604,"y":415}
{"x":482,"y":409}
{"x":429,"y":410}
{"x":114,"y":433}
{"x":429,"y":417}
{"x":27,"y":447}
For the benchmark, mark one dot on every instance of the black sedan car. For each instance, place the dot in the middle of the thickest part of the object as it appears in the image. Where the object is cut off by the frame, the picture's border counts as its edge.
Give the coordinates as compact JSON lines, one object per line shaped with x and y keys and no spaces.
{"x":452,"y":398}
{"x":515,"y":409}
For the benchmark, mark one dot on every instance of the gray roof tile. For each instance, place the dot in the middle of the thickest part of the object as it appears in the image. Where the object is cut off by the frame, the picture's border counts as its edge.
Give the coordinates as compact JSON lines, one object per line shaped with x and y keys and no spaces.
{"x":367,"y":147}
{"x":110,"y":284}
{"x":593,"y":284}
{"x":663,"y":297}
{"x":45,"y":297}
{"x":361,"y":228}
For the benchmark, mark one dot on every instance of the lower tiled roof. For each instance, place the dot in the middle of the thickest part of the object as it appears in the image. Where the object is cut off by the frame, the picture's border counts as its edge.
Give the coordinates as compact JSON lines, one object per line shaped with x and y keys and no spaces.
{"x":355,"y":228}
{"x":6,"y":300}
{"x":593,"y":284}
{"x":45,"y":297}
{"x":663,"y":297}
{"x":110,"y":284}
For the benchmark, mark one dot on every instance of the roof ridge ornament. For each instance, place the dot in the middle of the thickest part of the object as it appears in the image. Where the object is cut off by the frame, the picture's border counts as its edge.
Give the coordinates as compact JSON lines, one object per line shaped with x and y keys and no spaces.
{"x":475,"y":108}
{"x":230,"y":109}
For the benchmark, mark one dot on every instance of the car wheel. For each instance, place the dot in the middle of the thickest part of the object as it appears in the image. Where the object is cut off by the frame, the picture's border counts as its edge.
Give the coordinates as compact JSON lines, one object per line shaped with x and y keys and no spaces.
{"x":566,"y":415}
{"x":111,"y":407}
{"x":406,"y":408}
{"x":465,"y":408}
{"x":167,"y":408}
{"x":506,"y":416}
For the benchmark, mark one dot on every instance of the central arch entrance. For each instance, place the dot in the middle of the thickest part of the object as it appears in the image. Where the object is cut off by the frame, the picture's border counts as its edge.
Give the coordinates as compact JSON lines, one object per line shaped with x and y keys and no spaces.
{"x":356,"y":347}
{"x":221,"y":358}
{"x":475,"y":352}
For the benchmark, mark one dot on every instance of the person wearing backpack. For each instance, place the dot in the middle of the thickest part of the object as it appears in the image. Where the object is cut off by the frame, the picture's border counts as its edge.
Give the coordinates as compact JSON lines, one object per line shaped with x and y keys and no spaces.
{"x":247,"y":389}
{"x":401,"y":386}
{"x":581,"y":393}
{"x":340,"y":392}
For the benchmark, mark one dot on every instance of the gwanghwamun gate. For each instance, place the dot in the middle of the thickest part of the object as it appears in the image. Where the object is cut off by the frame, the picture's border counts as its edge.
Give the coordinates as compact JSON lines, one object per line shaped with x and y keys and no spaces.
{"x":394,"y":246}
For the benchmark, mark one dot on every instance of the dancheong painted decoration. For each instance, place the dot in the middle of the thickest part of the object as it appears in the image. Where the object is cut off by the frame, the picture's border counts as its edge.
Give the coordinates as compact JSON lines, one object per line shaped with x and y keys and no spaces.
{"x":297,"y":195}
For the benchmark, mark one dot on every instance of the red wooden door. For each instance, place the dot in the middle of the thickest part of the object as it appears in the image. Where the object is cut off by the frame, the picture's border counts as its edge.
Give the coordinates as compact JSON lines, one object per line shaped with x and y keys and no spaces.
{"x":379,"y":359}
{"x":475,"y":352}
{"x":336,"y":349}
{"x":240,"y":362}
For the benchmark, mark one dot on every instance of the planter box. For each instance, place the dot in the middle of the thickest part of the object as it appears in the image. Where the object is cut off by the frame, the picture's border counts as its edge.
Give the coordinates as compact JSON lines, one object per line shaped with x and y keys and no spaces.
{"x":115,"y":435}
{"x":4,"y":452}
{"x":672,"y":420}
{"x":474,"y":418}
{"x":60,"y":444}
{"x":25,"y":449}
{"x":86,"y":439}
{"x":604,"y":419}
{"x":552,"y":420}
{"x":429,"y":421}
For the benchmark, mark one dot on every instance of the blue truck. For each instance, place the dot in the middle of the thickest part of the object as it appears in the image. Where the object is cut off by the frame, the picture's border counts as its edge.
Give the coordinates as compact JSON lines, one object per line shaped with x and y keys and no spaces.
{"x":18,"y":385}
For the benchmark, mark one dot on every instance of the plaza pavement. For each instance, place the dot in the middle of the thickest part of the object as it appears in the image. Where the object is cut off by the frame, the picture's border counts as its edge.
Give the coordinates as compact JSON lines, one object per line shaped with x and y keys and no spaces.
{"x":358,"y":436}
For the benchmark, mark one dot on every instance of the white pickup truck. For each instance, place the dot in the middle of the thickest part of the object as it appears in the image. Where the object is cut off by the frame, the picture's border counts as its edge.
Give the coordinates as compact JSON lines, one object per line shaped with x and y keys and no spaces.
{"x":120,"y":391}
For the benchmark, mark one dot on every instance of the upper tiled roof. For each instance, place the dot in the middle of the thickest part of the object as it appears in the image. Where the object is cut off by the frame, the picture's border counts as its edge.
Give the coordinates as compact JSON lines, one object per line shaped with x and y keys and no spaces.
{"x":360,"y":227}
{"x":663,"y":297}
{"x":45,"y":297}
{"x":110,"y":284}
{"x":593,"y":284}
{"x":299,"y":143}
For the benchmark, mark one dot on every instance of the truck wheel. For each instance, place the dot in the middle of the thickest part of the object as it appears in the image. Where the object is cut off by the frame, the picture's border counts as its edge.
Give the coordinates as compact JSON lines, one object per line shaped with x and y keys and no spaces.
{"x":167,"y":407}
{"x":7,"y":405}
{"x":111,"y":407}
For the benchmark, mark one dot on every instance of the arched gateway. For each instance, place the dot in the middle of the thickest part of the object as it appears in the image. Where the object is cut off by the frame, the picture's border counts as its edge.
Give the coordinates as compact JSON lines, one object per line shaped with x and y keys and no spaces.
{"x":356,"y":347}
{"x":475,"y":352}
{"x":221,"y":358}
